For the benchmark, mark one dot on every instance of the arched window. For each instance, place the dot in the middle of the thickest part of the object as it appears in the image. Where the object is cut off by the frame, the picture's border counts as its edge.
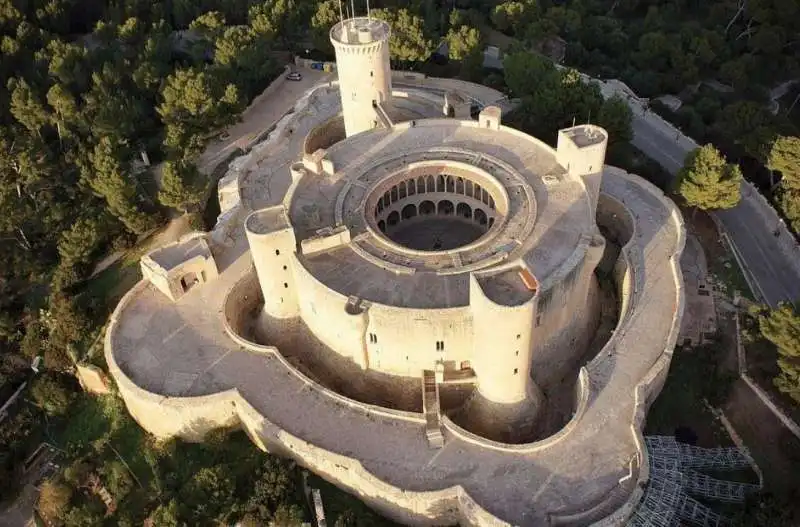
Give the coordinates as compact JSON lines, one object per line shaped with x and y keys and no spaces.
{"x":491,"y":202}
{"x":468,"y":188}
{"x":408,"y":212}
{"x":412,"y":187}
{"x":450,"y":184}
{"x":394,"y":193}
{"x":491,"y":222}
{"x":386,"y":201}
{"x":382,"y":226}
{"x":426,"y":207}
{"x":401,"y":190}
{"x":464,"y":211}
{"x":431,"y":184}
{"x":477,"y":193}
{"x":485,"y":197}
{"x":460,"y":185}
{"x":480,"y":217}
{"x":446,"y":208}
{"x":440,"y":183}
{"x":393,"y":218}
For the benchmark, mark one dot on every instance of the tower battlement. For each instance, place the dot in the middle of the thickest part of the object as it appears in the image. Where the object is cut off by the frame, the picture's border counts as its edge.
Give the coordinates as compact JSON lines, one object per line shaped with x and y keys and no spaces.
{"x":362,"y":63}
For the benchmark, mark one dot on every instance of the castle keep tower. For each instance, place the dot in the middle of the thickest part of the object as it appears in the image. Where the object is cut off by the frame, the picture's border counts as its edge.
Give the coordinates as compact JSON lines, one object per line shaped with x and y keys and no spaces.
{"x":365,"y":78}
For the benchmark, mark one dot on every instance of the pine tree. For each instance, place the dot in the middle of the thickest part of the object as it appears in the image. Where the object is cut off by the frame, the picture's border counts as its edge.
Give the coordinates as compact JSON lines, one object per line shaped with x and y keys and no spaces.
{"x":182,"y":186}
{"x":782,"y":327}
{"x":708,"y":182}
{"x":784,"y":157}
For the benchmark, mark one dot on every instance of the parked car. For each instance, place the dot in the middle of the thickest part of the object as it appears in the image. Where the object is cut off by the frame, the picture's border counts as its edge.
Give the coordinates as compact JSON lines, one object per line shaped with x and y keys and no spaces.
{"x":294,"y":76}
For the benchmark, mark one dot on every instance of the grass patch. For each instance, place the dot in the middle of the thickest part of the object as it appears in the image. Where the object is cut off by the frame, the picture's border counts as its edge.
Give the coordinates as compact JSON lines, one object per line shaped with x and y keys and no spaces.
{"x":109,"y":286}
{"x":694,"y":375}
{"x":729,"y":277}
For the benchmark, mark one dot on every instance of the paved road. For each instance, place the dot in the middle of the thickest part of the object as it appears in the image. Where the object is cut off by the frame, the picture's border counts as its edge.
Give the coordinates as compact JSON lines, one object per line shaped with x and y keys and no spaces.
{"x":659,"y":144}
{"x":775,"y":278}
{"x":260,"y":115}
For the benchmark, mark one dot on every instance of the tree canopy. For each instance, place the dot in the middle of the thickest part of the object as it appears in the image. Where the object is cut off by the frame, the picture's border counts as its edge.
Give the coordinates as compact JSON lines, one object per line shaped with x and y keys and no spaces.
{"x":781,"y":326}
{"x":708,"y":182}
{"x":553,"y":99}
{"x":409,"y":41}
{"x":182,"y":186}
{"x":784,"y":157}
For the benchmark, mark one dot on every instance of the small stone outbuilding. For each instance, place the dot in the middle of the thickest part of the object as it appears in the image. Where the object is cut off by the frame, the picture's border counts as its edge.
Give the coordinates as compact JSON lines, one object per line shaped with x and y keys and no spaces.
{"x":178,"y":267}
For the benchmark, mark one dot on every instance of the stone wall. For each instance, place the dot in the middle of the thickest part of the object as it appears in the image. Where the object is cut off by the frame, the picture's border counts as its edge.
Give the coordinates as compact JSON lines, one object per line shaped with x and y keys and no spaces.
{"x":583,"y":391}
{"x":648,"y":389}
{"x":323,"y":136}
{"x":187,"y":417}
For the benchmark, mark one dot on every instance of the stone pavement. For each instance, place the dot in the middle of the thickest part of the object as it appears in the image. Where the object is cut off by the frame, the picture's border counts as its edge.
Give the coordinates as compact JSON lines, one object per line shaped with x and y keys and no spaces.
{"x":260,"y":116}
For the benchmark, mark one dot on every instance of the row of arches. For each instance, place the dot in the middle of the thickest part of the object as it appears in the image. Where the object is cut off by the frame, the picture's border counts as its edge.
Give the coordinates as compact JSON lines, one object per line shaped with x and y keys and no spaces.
{"x":442,"y":208}
{"x":430,"y":183}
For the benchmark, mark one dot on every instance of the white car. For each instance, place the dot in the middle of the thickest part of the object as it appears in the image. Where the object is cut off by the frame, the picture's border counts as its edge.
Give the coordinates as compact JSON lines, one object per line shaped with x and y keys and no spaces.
{"x":294,"y":76}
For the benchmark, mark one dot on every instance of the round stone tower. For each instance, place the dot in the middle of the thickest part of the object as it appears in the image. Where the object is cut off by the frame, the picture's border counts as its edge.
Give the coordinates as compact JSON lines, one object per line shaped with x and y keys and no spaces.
{"x":365,"y":78}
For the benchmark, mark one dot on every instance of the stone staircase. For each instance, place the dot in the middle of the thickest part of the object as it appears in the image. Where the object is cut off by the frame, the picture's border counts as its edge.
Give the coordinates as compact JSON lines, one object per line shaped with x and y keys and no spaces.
{"x":384,"y":118}
{"x":430,"y":407}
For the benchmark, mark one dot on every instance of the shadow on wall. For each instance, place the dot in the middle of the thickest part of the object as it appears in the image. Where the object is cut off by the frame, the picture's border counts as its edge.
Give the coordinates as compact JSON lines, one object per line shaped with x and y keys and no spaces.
{"x":341,"y":374}
{"x":344,"y":376}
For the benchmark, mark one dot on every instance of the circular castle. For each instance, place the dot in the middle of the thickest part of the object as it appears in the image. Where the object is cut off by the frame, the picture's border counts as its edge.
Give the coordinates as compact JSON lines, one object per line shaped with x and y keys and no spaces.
{"x":442,"y":314}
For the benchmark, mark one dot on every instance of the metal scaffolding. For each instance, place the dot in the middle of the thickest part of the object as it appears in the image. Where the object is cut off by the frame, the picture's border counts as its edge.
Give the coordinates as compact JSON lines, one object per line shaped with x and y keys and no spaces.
{"x":675,"y":481}
{"x":696,"y":457}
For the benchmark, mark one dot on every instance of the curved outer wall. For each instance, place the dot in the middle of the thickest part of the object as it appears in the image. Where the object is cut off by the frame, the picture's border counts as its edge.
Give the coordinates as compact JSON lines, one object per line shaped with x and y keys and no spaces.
{"x":566,"y":313}
{"x":359,"y":89}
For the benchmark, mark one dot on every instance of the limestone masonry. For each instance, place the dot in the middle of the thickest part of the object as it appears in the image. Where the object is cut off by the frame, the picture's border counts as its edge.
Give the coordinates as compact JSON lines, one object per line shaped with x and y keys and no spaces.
{"x":443,"y":315}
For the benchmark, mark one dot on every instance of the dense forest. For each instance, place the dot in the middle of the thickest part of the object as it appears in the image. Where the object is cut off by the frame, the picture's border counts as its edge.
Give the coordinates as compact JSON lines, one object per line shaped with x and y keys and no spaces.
{"x":89,"y":93}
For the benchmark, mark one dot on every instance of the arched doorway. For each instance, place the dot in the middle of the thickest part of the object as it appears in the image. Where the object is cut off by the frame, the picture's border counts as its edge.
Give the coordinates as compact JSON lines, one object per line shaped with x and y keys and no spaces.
{"x":480,"y":217}
{"x":408,"y":212}
{"x":464,"y":211}
{"x":445,"y":208}
{"x":426,"y":207}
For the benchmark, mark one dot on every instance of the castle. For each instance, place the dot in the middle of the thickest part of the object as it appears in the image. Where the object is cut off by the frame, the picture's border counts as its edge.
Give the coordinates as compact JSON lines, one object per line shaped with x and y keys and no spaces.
{"x":444,"y":315}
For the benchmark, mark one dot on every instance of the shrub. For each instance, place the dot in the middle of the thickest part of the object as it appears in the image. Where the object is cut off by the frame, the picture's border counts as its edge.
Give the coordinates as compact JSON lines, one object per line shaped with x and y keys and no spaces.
{"x":54,"y":498}
{"x":52,"y":394}
{"x":117,"y":478}
{"x":86,"y":515}
{"x":165,"y":515}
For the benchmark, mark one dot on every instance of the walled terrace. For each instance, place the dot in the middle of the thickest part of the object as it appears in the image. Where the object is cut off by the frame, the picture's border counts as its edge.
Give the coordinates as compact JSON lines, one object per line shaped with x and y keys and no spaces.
{"x":183,"y":369}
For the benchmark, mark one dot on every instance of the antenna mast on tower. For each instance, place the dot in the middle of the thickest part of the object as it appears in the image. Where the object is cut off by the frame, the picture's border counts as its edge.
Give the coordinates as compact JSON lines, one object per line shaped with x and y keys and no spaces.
{"x":368,"y":18}
{"x":341,"y":17}
{"x":352,"y":9}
